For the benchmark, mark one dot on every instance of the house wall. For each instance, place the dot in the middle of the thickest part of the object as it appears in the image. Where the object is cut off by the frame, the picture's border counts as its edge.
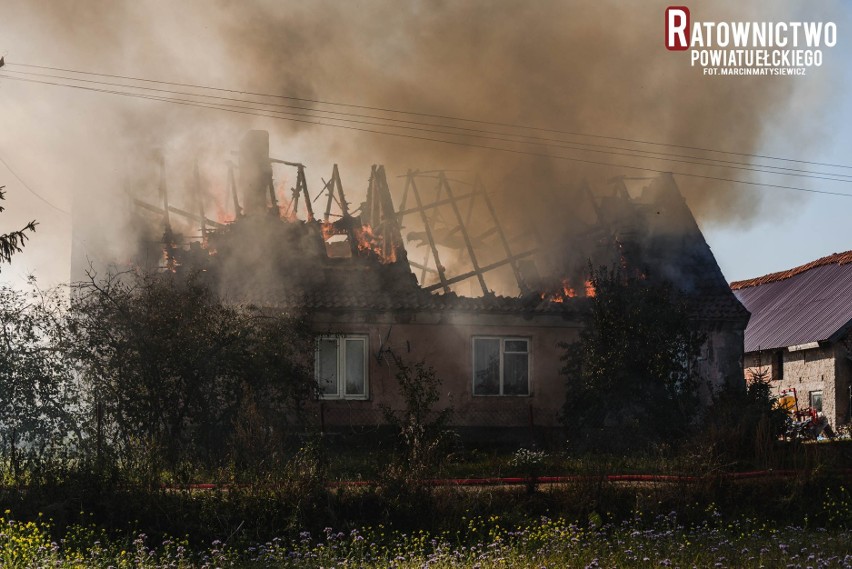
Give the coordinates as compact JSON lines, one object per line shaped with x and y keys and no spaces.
{"x":843,"y":367}
{"x":445,"y":342}
{"x":823,"y":369}
{"x":721,"y":360}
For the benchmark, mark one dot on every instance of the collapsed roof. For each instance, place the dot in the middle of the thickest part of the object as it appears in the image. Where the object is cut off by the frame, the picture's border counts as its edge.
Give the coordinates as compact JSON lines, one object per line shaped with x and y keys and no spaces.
{"x":356,"y":258}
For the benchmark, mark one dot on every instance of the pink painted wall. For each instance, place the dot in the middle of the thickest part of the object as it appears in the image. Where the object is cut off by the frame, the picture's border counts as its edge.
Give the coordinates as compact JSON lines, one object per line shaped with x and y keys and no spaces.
{"x":447,"y":347}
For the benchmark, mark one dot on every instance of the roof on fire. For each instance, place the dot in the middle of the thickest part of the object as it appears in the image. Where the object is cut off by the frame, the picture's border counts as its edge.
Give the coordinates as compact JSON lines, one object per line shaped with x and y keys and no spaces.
{"x":656,"y":233}
{"x":414,"y":299}
{"x":809,"y":303}
{"x":284,"y":265}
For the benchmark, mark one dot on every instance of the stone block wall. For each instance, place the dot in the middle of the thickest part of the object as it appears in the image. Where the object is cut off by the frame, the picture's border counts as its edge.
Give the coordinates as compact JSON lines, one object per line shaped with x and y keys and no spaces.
{"x":822,"y":369}
{"x":843,"y":383}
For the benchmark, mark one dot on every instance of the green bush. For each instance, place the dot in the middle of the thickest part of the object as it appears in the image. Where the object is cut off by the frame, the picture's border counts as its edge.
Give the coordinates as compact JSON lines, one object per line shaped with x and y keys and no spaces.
{"x":743,"y":427}
{"x":631,"y":376}
{"x":422,"y":432}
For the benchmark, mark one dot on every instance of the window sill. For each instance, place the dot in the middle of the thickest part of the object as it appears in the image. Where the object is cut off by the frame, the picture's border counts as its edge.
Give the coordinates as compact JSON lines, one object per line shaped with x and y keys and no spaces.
{"x":502,"y":395}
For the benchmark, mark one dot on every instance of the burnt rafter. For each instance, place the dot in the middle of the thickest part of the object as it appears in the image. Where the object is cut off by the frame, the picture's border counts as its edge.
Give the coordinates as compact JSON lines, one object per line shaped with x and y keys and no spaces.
{"x":181,"y":212}
{"x":436,"y":236}
{"x":334,"y":188}
{"x":485,"y":269}
{"x":199,"y":202}
{"x":498,"y":229}
{"x":232,"y":183}
{"x":379,"y":216}
{"x":463,"y":224}
{"x":164,"y":194}
{"x":300,"y":190}
{"x":411,"y":184}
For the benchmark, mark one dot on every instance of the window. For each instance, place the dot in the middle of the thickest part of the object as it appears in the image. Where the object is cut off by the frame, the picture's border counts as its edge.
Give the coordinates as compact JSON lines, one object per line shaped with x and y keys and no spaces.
{"x":815,"y":398}
{"x":341,"y":367}
{"x":778,"y":365}
{"x":501,"y":366}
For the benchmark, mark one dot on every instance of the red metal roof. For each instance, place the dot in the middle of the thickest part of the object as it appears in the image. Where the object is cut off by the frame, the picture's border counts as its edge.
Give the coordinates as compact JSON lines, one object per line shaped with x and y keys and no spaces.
{"x":810,"y":303}
{"x":833,"y":259}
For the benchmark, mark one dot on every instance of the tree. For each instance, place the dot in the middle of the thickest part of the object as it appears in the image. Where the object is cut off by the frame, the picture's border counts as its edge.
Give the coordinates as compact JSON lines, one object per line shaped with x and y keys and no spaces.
{"x":172,"y":366}
{"x":631,"y":376}
{"x":38,"y":397}
{"x":13,"y":242}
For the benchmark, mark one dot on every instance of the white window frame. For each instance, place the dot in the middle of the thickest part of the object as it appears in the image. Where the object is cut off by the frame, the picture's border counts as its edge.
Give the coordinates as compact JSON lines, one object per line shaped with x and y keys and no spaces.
{"x":341,"y":367}
{"x":811,"y":398}
{"x":503,"y":340}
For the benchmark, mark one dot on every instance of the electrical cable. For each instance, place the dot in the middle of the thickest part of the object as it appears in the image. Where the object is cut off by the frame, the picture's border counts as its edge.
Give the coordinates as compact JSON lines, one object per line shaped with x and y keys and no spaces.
{"x":239,"y":110}
{"x":32,"y":191}
{"x":560,"y":143}
{"x":437,"y":116}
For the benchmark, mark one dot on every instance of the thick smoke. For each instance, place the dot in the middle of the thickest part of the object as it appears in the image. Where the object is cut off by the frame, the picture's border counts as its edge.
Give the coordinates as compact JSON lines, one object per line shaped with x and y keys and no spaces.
{"x":597,"y":68}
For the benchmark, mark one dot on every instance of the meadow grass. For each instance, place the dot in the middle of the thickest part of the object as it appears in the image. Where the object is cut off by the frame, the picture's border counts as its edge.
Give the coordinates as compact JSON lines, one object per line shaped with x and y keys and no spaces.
{"x":484,"y":543}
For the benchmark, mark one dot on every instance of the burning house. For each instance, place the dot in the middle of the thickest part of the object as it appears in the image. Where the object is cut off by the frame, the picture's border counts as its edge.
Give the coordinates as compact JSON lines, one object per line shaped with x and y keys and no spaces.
{"x":349,"y":270}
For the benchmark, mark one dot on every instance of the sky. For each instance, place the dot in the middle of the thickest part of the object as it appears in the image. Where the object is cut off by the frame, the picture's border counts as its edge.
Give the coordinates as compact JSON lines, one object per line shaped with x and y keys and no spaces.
{"x":814,"y":226}
{"x":70,"y":155}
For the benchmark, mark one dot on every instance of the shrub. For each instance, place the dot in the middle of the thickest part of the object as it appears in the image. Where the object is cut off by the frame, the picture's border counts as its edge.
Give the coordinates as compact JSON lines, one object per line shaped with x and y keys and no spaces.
{"x":422,"y":431}
{"x":529,"y":463}
{"x":743,"y":425}
{"x":633,"y":369}
{"x":177,"y":371}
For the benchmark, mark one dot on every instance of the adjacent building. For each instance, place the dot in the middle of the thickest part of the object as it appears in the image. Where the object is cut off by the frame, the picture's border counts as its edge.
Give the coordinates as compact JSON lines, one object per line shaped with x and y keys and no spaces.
{"x":799,"y":333}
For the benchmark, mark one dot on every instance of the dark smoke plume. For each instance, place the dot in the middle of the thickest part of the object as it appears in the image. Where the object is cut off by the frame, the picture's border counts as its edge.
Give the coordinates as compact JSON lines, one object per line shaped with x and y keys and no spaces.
{"x":586,"y":67}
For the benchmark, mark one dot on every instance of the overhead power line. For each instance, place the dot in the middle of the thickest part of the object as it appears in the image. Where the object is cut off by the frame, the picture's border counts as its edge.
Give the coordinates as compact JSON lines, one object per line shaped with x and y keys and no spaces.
{"x":284,"y":115}
{"x":485,"y":134}
{"x":29,"y":189}
{"x":269,"y":114}
{"x":434,"y":116}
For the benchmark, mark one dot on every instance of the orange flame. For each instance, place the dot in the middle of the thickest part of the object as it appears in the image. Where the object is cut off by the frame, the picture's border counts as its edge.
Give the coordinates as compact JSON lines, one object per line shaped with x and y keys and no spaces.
{"x":370,"y":242}
{"x":559,"y":296}
{"x":366,"y":241}
{"x":169,"y":262}
{"x":335,"y":249}
{"x":327,"y":231}
{"x":566,"y":292}
{"x":223,"y":216}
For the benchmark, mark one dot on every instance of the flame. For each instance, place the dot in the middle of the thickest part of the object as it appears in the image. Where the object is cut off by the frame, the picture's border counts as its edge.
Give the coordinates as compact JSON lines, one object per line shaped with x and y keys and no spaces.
{"x":566,"y":291}
{"x":367,"y":242}
{"x":222,"y":215}
{"x":170,"y":263}
{"x":327,"y":231}
{"x":559,"y":296}
{"x":370,"y":242}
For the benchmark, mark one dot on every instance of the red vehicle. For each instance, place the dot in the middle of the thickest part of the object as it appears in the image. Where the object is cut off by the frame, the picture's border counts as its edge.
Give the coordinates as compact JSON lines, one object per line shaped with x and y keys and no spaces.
{"x":805,"y":422}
